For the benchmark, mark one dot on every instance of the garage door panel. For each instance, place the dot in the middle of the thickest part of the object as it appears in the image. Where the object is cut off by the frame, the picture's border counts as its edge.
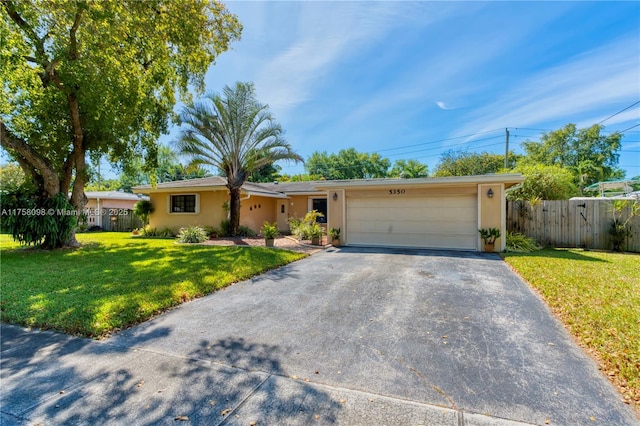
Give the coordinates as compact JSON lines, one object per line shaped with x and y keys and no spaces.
{"x":413,"y":226}
{"x":444,"y":241}
{"x":437,"y":222}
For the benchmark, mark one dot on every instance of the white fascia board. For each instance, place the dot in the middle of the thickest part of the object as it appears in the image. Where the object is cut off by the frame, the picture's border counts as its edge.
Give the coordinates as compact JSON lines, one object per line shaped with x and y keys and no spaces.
{"x":439,"y":181}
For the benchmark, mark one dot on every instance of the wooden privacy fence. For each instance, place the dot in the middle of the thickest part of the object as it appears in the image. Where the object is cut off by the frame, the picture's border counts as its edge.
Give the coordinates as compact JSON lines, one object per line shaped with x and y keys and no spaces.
{"x":570,"y":223}
{"x":120,"y":220}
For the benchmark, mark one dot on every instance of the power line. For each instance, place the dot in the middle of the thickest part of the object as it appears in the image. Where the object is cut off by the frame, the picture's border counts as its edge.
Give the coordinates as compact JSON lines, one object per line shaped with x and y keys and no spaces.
{"x":622,"y":110}
{"x":629,"y":128}
{"x":437,"y":141}
{"x":439,"y":148}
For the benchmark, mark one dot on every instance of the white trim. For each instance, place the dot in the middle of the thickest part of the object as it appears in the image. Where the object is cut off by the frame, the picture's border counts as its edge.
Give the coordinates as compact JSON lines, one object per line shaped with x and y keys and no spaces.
{"x":449,"y":180}
{"x":183,"y":213}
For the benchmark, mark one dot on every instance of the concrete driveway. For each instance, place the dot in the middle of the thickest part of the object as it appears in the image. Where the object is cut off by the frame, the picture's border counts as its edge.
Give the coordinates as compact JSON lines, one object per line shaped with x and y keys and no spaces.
{"x":347,"y":336}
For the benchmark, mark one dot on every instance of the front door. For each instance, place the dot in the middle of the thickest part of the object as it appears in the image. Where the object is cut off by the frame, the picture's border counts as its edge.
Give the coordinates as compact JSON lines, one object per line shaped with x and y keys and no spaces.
{"x":283,"y":215}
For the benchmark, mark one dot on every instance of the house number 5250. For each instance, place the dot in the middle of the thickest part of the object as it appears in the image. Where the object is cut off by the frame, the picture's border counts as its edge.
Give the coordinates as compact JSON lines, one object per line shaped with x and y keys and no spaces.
{"x":396,"y":191}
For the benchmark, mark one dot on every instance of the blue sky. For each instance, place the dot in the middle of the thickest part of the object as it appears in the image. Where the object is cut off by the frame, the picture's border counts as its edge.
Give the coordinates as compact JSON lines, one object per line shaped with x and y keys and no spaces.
{"x":414,"y":79}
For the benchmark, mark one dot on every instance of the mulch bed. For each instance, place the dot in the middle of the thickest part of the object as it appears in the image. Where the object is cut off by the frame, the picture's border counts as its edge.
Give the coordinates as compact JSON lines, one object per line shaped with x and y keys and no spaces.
{"x":286,"y":242}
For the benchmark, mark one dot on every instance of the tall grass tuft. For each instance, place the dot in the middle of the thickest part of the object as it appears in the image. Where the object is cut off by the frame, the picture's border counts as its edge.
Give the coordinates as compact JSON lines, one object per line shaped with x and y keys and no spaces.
{"x":520,"y":243}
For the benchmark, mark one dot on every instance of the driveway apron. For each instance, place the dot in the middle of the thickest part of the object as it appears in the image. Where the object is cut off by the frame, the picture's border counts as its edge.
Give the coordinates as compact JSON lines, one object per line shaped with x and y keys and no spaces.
{"x":349,"y":336}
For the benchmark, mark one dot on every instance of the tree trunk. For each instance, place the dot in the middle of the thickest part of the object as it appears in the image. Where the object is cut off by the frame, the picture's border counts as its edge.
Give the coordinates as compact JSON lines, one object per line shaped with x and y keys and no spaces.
{"x":78,"y":198}
{"x":234,"y":210}
{"x":50,"y":181}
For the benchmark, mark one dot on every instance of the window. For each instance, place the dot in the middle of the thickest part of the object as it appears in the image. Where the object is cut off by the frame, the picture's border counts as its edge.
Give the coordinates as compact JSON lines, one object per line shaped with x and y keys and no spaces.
{"x":320,"y":204}
{"x":183,"y":203}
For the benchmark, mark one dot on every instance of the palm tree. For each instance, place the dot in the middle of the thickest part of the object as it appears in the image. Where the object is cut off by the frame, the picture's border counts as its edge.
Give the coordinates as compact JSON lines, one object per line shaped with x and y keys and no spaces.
{"x":235,"y":133}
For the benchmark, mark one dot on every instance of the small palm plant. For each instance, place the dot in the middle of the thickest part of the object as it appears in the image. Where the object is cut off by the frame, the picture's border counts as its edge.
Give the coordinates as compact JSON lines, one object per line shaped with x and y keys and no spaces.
{"x":143,"y":210}
{"x":334,"y":233}
{"x":619,"y":229}
{"x":270,"y":232}
{"x":489,"y":237}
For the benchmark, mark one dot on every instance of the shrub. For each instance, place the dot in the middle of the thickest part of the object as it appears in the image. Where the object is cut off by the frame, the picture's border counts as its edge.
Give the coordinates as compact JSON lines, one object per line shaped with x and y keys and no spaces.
{"x":192,"y":234}
{"x":143,"y":210}
{"x":489,"y":235}
{"x":34,"y":219}
{"x":165,"y":232}
{"x":306,"y":228}
{"x":334,"y":233}
{"x":294,"y":222}
{"x":269,"y":231}
{"x":245,"y":231}
{"x":225,"y":228}
{"x":619,"y":230}
{"x":520,"y":243}
{"x":211,"y":231}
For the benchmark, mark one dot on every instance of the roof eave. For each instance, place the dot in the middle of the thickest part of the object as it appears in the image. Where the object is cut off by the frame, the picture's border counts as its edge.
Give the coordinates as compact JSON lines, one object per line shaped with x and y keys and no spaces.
{"x":507,"y":179}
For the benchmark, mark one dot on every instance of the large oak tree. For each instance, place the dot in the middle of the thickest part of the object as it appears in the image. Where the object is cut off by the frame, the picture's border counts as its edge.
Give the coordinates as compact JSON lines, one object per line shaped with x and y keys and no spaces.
{"x":99,"y":78}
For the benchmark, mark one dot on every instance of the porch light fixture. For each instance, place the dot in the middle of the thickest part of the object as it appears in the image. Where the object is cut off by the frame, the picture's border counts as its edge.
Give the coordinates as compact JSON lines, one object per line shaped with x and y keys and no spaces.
{"x":490,"y":193}
{"x":335,"y":196}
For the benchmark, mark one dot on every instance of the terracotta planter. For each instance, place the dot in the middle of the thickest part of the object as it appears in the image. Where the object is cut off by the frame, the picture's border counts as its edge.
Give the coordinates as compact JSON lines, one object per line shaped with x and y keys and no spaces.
{"x":315,"y":241}
{"x":335,"y":242}
{"x":269,"y":242}
{"x":488,"y":248}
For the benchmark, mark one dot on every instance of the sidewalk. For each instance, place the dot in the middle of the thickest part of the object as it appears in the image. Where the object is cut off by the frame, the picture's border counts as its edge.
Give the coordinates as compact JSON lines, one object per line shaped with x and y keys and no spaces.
{"x":49,"y":378}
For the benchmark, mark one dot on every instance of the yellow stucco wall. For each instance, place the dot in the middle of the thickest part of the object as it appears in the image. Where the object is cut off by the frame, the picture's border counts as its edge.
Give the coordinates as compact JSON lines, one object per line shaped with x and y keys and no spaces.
{"x":491,"y":212}
{"x":209,"y":212}
{"x":298,"y":206}
{"x":255,"y":210}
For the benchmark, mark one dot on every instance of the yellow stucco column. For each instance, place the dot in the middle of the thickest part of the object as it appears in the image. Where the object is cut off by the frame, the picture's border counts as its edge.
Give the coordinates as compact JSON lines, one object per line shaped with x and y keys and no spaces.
{"x":336,"y":209}
{"x":491,"y":212}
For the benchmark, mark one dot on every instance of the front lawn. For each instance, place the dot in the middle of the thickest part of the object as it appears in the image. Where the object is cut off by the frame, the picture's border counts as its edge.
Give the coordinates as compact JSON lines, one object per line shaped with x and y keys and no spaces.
{"x":597,"y":295}
{"x":115,"y":280}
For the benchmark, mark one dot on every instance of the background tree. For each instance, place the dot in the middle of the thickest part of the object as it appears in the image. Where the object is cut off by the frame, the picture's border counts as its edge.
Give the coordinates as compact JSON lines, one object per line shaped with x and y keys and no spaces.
{"x":99,"y":78}
{"x":170,"y":168}
{"x":464,"y":163}
{"x":587,"y":153}
{"x":133,"y":173}
{"x":408,"y":169}
{"x":235,"y":133}
{"x":302,"y":177}
{"x":347,"y":164}
{"x":143,"y":209}
{"x":266,"y":173}
{"x":544,"y":183}
{"x":11,"y":177}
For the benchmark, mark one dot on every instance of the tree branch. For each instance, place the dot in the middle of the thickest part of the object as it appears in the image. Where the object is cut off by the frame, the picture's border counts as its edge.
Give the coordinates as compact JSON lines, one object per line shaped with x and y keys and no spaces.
{"x":73,"y":41}
{"x":49,"y":176}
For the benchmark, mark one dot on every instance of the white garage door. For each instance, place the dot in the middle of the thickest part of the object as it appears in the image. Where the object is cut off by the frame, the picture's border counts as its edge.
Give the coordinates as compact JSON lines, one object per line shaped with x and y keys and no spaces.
{"x":443,"y":221}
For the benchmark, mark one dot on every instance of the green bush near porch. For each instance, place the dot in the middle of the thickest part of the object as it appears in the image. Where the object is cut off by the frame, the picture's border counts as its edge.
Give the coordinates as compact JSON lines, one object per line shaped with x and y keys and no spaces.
{"x":115,"y":280}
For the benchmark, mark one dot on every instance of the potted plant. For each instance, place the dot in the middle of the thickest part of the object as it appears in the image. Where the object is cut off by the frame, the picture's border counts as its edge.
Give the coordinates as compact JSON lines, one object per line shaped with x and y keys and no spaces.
{"x":269,"y":231}
{"x":315,"y":233}
{"x":489,"y":237}
{"x":334,"y":233}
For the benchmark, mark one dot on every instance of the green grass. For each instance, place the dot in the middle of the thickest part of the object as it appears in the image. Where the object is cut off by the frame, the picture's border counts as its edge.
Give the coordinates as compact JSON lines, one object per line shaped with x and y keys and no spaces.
{"x":597,"y":295}
{"x":115,"y":280}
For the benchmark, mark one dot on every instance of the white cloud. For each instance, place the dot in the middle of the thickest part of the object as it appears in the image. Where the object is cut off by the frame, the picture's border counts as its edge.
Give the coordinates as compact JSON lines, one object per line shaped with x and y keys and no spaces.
{"x":568,"y":92}
{"x":444,"y":106}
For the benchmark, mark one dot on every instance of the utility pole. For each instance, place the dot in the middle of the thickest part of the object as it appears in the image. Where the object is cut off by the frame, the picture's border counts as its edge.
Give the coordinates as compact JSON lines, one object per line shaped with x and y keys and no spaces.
{"x":506,"y":149}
